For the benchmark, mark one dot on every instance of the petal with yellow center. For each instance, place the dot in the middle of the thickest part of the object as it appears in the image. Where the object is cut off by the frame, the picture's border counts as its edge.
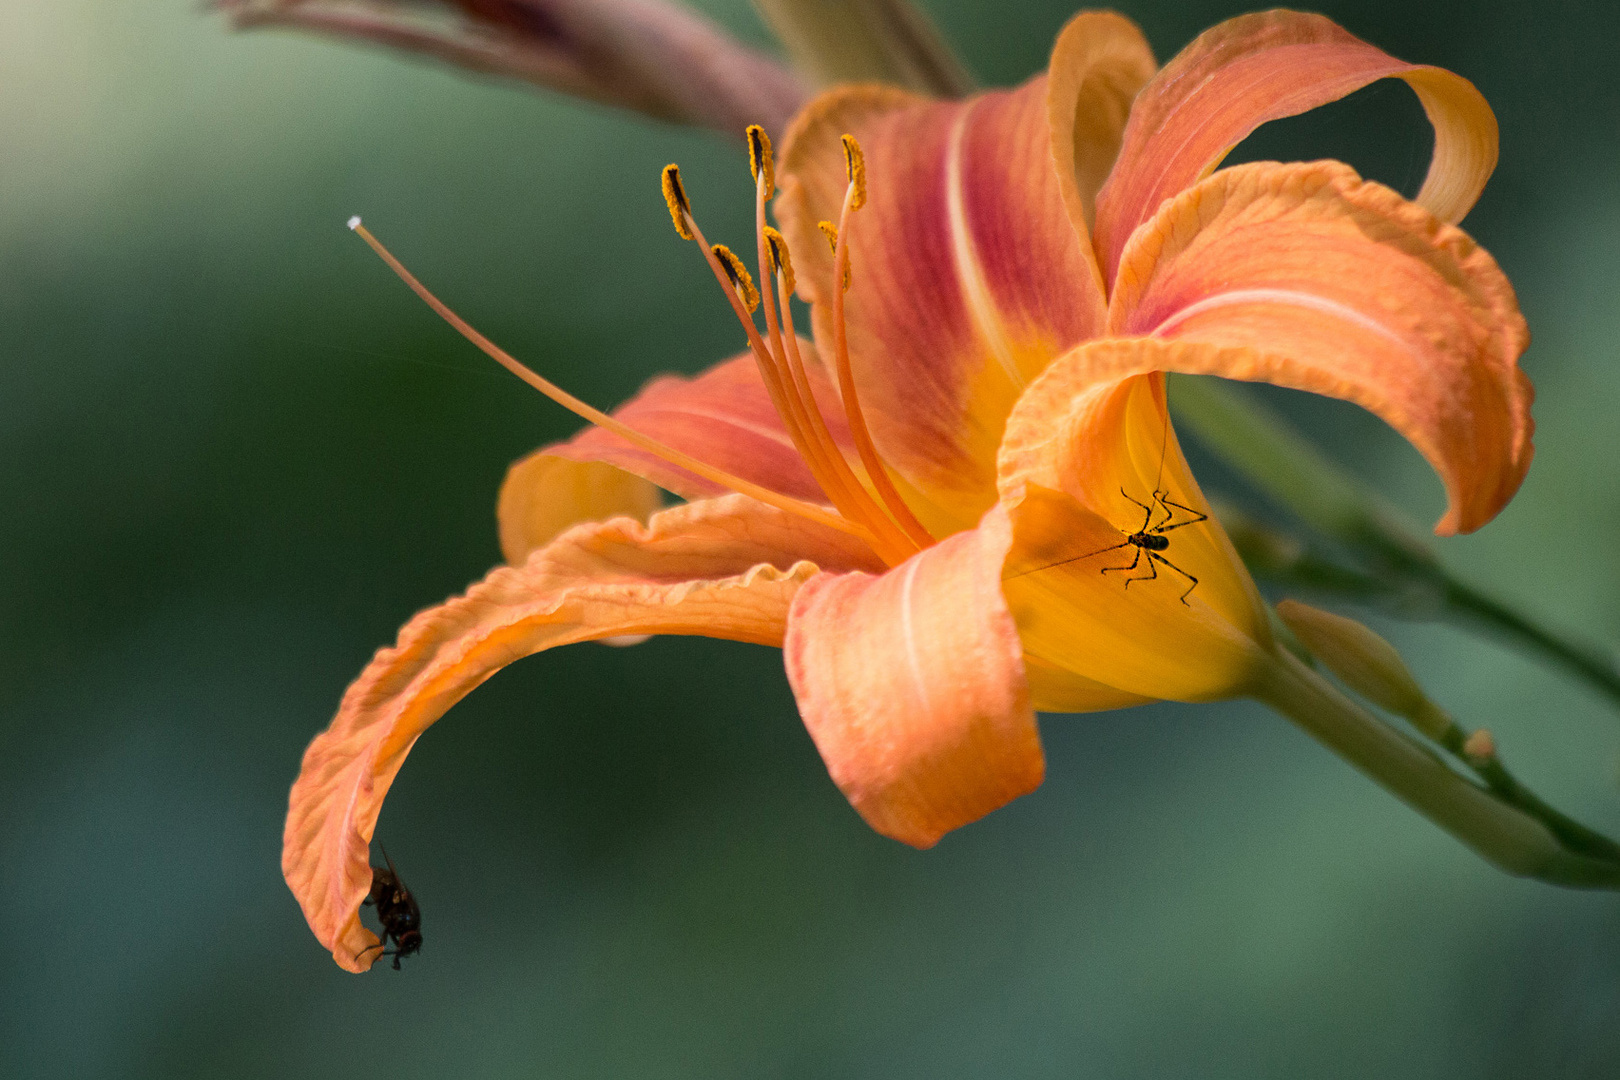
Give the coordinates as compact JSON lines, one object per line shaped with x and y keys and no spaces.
{"x":1339,"y":286}
{"x":725,"y":568}
{"x":1254,"y":68}
{"x":966,"y":276}
{"x":1117,"y":573}
{"x":912,"y":686}
{"x":723,"y":417}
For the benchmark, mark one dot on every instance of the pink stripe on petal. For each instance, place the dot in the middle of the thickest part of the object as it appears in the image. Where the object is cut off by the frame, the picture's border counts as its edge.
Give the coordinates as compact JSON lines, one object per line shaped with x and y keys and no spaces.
{"x":967,"y":275}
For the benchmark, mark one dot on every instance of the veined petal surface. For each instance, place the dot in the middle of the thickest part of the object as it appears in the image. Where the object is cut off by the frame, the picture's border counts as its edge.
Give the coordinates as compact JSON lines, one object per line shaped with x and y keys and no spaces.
{"x":912,"y":686}
{"x":967,"y":276}
{"x":1090,"y":459}
{"x":1339,"y":286}
{"x":725,"y":568}
{"x":1265,"y":66}
{"x":723,"y":417}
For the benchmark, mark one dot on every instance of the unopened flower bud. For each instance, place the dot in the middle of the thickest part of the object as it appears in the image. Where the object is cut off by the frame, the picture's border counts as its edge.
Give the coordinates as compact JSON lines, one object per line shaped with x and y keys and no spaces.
{"x":1481,"y":745}
{"x":1367,"y":663}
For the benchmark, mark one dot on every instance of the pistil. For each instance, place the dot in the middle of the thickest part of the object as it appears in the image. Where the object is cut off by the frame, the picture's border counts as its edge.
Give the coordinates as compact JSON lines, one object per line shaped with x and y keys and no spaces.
{"x":799,"y":507}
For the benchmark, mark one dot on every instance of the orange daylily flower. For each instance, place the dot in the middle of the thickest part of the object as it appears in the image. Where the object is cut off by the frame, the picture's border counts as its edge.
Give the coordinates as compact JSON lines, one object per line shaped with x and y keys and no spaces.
{"x":964,"y":502}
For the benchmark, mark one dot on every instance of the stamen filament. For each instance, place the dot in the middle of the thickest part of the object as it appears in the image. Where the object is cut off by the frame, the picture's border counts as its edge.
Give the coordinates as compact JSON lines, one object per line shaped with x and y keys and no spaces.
{"x":797,"y":370}
{"x":854,"y":197}
{"x":823,"y":456}
{"x":568,"y":401}
{"x":883,"y":540}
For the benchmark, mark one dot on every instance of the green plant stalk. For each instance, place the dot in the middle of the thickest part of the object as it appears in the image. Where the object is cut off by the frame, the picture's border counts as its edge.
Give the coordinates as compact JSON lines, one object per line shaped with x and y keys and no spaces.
{"x":1512,"y":837}
{"x":1404,"y":575}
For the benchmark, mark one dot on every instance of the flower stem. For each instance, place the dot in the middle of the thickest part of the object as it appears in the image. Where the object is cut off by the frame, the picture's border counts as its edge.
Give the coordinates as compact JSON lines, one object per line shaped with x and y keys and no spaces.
{"x":1403,"y":573}
{"x":1512,"y":835}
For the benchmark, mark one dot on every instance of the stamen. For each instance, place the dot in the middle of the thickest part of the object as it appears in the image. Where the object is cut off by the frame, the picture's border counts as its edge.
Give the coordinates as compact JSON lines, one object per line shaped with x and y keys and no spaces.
{"x":759,"y":158}
{"x":795,"y":403}
{"x":885,"y":538}
{"x":573,"y":404}
{"x":788,"y":390}
{"x":738,"y":273}
{"x":680,"y":208}
{"x":853,"y":197}
{"x":855,"y":167}
{"x":830,"y":231}
{"x":802,"y":417}
{"x":781,"y":262}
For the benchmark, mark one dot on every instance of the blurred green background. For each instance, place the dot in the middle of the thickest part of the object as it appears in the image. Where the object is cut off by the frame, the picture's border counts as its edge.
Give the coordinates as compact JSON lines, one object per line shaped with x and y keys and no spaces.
{"x":237,"y":454}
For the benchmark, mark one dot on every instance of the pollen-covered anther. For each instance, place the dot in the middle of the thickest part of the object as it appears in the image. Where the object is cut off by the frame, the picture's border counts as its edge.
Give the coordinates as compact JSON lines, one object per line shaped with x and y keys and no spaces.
{"x":830,"y":231}
{"x":680,"y":208}
{"x":855,"y":167}
{"x":738,"y":273}
{"x":781,"y":261}
{"x":760,"y":161}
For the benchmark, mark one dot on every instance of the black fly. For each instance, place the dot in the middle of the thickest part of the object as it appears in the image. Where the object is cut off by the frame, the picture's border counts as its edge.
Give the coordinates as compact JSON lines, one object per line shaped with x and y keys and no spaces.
{"x":396,"y":910}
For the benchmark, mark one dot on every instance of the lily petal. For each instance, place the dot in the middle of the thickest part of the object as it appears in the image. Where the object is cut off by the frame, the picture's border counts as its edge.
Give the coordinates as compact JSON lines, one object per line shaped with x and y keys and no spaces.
{"x":966,"y":277}
{"x":912,"y":686}
{"x":723,"y":417}
{"x":1339,"y":286}
{"x":1099,"y":64}
{"x":725,"y":568}
{"x":1085,"y":453}
{"x":544,"y":495}
{"x":1254,"y":68}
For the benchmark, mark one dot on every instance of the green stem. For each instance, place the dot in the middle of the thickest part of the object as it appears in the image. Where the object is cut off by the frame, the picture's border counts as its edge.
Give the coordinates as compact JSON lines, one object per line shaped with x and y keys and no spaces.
{"x":1438,"y":724}
{"x":1503,"y":834}
{"x":1469,"y":606}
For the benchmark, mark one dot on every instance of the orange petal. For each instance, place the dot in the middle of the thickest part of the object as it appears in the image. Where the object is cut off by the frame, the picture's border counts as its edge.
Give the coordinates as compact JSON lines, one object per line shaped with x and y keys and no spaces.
{"x":966,"y":281}
{"x":723,"y":417}
{"x":1099,"y":64}
{"x":1341,"y":287}
{"x":1255,"y":68}
{"x":1085,"y":453}
{"x":544,"y":494}
{"x":912,"y":686}
{"x":725,"y":568}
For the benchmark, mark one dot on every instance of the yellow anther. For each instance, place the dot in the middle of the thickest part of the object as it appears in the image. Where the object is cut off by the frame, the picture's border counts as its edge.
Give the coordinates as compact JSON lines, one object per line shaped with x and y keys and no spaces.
{"x":781,"y":261}
{"x":830,"y":231}
{"x":675,"y":198}
{"x":855,"y":166}
{"x":760,"y":159}
{"x":738,"y":273}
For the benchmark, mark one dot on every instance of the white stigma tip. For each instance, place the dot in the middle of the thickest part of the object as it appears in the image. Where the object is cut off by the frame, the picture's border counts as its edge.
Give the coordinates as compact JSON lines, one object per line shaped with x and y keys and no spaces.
{"x":354,"y":222}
